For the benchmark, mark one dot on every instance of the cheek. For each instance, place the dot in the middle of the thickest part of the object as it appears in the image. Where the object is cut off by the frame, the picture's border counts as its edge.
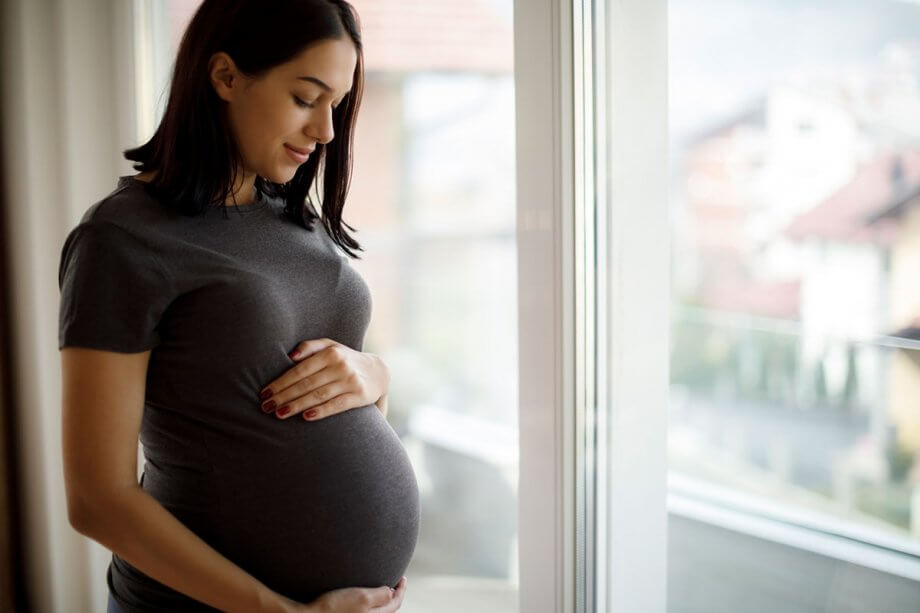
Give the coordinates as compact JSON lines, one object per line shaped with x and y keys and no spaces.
{"x":275,"y":126}
{"x":247,"y":131}
{"x":262,"y":127}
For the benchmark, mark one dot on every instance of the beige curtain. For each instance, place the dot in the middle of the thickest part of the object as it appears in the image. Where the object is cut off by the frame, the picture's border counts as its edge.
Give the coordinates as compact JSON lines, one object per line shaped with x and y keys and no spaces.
{"x":68,"y":111}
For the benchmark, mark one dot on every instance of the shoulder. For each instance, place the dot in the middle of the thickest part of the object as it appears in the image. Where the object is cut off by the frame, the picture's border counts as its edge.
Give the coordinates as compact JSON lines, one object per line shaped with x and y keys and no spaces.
{"x":128,"y":207}
{"x":126,"y":227}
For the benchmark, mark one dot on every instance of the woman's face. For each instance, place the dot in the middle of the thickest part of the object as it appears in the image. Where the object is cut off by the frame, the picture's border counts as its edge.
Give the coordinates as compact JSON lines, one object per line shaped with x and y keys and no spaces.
{"x":279,"y":118}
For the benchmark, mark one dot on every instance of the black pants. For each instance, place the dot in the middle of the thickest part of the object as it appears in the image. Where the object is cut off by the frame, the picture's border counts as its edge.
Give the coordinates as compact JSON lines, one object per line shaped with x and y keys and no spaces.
{"x":113,"y":606}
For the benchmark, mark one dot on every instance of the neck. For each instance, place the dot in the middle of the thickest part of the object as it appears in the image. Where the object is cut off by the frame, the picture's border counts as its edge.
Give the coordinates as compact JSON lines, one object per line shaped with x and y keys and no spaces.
{"x":243,"y":192}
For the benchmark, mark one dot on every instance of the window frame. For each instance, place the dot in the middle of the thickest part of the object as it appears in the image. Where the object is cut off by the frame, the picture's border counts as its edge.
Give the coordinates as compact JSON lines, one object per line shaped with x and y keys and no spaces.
{"x":569,"y":236}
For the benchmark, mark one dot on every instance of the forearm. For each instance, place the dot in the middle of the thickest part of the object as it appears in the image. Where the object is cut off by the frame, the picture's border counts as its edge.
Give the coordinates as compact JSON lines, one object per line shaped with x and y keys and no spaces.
{"x":143,"y":532}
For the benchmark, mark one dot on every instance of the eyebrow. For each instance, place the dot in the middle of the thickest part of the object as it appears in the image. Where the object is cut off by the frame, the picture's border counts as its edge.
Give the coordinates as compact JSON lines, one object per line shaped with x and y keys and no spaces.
{"x":317,"y":81}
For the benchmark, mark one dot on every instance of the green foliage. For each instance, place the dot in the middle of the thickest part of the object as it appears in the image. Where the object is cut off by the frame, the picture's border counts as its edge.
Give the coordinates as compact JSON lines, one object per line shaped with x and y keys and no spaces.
{"x":900,"y":460}
{"x":702,"y":354}
{"x":820,"y":383}
{"x":886,"y":501}
{"x":851,"y":385}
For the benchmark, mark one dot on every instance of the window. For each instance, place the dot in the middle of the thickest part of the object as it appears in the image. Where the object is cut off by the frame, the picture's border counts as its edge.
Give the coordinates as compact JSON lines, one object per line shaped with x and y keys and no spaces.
{"x":794,"y":365}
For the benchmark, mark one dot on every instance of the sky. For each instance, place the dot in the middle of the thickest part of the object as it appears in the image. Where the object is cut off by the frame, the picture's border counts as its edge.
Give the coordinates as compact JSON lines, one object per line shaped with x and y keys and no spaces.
{"x":723,"y":53}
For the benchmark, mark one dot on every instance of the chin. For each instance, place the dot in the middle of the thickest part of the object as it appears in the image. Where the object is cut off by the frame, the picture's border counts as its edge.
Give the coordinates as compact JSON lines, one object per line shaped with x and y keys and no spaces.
{"x":280,"y":175}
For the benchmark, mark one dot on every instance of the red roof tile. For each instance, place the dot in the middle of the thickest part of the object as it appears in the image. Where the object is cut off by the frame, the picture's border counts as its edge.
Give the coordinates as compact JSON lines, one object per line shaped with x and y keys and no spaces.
{"x":410,"y":35}
{"x":845,"y":215}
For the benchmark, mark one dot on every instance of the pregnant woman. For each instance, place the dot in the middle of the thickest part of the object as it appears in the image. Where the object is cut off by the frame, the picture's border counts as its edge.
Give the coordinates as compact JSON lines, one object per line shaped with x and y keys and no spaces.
{"x":206,"y":309}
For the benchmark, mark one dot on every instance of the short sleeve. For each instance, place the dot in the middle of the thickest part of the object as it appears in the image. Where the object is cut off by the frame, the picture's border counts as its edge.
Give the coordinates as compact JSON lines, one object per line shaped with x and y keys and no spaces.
{"x":114,"y":290}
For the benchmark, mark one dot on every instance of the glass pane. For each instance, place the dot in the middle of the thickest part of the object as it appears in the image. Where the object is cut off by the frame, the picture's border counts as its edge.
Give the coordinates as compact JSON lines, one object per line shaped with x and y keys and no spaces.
{"x":433,"y":200}
{"x":795,"y":370}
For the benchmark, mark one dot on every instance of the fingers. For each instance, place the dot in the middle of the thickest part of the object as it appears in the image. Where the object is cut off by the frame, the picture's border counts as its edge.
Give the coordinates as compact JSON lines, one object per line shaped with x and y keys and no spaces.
{"x":397,"y":599}
{"x":309,"y":366}
{"x":306,"y":348}
{"x":326,"y":383}
{"x":338,"y":404}
{"x":333,"y":391}
{"x":316,"y":368}
{"x":378,"y":598}
{"x":302,"y":396}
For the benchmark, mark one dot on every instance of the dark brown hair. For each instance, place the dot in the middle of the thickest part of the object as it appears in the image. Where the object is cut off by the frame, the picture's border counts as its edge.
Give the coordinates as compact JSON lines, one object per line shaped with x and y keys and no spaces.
{"x":193,"y":149}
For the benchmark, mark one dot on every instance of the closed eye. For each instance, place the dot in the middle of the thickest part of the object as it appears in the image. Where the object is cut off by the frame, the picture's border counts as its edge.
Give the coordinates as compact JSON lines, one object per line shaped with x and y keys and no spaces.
{"x":302,"y":103}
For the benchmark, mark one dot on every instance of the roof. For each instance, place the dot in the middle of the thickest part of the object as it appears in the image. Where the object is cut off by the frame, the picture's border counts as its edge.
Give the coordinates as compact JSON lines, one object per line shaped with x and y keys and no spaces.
{"x":442,"y":35}
{"x":418,"y":35}
{"x":854,"y":212}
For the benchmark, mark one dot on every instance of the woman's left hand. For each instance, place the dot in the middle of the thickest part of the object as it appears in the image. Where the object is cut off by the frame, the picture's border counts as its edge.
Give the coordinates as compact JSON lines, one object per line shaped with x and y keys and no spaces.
{"x":330,"y":378}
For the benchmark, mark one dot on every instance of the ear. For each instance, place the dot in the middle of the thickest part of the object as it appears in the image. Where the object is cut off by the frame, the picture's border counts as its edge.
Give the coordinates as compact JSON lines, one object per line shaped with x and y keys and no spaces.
{"x":224,"y":76}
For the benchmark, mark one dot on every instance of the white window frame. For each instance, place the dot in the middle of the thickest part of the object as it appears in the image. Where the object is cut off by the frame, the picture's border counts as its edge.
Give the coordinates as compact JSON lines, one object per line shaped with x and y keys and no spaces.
{"x":560,"y":301}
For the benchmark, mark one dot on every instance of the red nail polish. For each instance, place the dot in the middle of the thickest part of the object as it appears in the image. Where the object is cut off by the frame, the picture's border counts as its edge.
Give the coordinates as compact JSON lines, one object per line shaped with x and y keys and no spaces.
{"x":283,"y":410}
{"x":266,"y":393}
{"x":268,"y":406}
{"x":311,"y":413}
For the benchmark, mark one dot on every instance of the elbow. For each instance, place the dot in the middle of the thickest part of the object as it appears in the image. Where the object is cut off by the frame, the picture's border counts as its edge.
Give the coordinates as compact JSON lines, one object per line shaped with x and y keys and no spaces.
{"x":82,"y":515}
{"x":92,"y":512}
{"x":78,"y":517}
{"x":78,"y":506}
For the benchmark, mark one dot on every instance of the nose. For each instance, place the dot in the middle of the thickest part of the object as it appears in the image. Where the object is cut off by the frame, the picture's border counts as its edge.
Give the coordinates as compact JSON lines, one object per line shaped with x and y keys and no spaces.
{"x":319,"y":127}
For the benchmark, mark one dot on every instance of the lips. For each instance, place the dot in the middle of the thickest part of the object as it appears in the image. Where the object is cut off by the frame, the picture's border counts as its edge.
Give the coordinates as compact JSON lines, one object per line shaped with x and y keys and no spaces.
{"x":304,"y":151}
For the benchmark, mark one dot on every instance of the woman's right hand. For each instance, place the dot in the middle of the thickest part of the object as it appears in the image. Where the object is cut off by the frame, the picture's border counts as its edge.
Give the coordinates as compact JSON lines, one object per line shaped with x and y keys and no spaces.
{"x":356,"y":600}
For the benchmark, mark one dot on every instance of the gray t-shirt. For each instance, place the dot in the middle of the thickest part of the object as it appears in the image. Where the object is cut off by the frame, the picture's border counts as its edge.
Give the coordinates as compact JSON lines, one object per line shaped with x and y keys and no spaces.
{"x":221,"y":298}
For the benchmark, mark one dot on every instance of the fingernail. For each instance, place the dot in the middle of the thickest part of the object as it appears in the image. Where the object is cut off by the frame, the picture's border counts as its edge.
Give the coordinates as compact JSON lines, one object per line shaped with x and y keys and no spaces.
{"x":266,"y":393}
{"x":311,"y":413}
{"x":283,"y":411}
{"x":294,"y":354}
{"x":268,"y":406}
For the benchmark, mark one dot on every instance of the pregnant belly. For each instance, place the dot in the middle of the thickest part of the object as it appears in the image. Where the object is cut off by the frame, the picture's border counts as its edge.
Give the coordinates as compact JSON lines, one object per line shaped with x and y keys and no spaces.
{"x":315,"y":506}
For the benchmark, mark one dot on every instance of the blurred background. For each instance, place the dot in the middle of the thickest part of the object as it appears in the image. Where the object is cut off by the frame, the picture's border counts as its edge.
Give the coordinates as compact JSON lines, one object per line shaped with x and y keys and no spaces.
{"x":796,"y":238}
{"x":795,"y":244}
{"x":795,"y":241}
